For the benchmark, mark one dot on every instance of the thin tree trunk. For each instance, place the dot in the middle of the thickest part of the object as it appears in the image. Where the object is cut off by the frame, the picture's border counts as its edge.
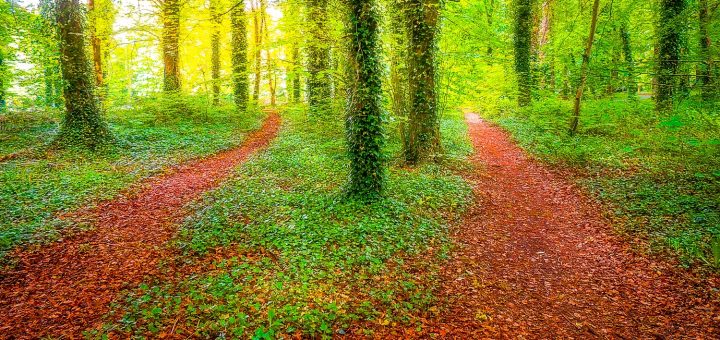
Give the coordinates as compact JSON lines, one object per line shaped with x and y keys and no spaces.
{"x":523,"y":43}
{"x":215,"y":46}
{"x":423,"y":128}
{"x":241,"y":83}
{"x":259,"y":15}
{"x":82,"y":124}
{"x":584,"y":68}
{"x":705,"y":67}
{"x":170,"y":39}
{"x":399,"y":71}
{"x":296,"y":74}
{"x":632,"y":87}
{"x":364,"y":123}
{"x":3,"y":76}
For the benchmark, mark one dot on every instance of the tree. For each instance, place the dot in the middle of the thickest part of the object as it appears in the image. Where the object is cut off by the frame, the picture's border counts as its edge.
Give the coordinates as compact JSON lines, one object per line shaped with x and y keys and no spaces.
{"x":522,"y":44}
{"x":423,"y":125}
{"x":670,"y":40}
{"x":318,"y":56}
{"x":259,"y":24}
{"x":632,"y":86}
{"x":215,"y":47}
{"x":365,"y":122}
{"x":82,"y":124}
{"x":707,"y":65}
{"x":95,"y":43}
{"x":296,"y":92}
{"x":398,"y":68}
{"x":584,"y":67}
{"x":241,"y":83}
{"x":170,"y":44}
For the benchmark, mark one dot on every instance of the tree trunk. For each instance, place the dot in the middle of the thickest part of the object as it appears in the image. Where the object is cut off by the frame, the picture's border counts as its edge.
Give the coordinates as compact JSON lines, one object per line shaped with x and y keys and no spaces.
{"x":215,"y":46}
{"x":82,"y":124}
{"x":424,"y":127}
{"x":170,"y":39}
{"x":670,"y":35}
{"x":96,"y":46}
{"x":3,"y":76}
{"x":364,"y":123}
{"x":241,"y":83}
{"x":584,"y":68}
{"x":706,"y":65}
{"x":296,"y":74}
{"x":632,"y":87}
{"x":398,"y":70}
{"x":522,"y":44}
{"x":259,"y":15}
{"x":318,"y":56}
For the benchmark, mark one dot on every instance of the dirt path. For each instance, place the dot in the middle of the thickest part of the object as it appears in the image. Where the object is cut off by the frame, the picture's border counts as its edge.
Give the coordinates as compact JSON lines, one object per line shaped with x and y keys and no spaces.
{"x":537,"y":260}
{"x":66,"y":287}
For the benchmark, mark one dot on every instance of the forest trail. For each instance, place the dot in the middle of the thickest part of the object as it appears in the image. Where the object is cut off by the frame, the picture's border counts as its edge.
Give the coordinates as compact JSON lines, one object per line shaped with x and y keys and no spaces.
{"x":65,"y":287}
{"x":537,"y":260}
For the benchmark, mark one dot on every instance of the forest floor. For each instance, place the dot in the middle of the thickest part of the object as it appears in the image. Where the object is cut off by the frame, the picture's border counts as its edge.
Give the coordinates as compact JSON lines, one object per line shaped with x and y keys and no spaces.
{"x":65,"y":287}
{"x":537,"y":259}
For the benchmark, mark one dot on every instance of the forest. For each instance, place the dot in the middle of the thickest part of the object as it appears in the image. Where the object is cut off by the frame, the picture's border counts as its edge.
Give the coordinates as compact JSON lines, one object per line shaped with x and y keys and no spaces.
{"x":413,"y":169}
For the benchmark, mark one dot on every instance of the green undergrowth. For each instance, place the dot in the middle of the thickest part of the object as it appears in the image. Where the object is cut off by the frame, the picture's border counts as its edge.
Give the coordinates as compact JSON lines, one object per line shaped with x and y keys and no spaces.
{"x":310,"y":260}
{"x":151,"y":135}
{"x":658,"y":174}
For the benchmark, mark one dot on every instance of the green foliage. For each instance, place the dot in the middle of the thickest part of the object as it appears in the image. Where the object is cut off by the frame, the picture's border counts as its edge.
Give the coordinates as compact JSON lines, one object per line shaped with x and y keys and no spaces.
{"x":40,"y":184}
{"x":365,"y":118}
{"x":522,"y":42}
{"x":318,"y":57}
{"x":671,"y":40}
{"x":308,"y":261}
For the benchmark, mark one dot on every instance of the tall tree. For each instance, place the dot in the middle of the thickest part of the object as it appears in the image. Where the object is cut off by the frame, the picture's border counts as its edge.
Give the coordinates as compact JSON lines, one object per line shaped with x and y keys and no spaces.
{"x":95,"y":43}
{"x":523,"y":44}
{"x":241,"y":83}
{"x":423,"y":128}
{"x":706,"y":66}
{"x":318,"y":82}
{"x":258,"y":21}
{"x":296,"y":87}
{"x":632,"y":86}
{"x":82,"y":124}
{"x":670,"y":34}
{"x":215,"y":47}
{"x":584,"y":67}
{"x":171,"y":44}
{"x":398,"y":68}
{"x":365,"y":122}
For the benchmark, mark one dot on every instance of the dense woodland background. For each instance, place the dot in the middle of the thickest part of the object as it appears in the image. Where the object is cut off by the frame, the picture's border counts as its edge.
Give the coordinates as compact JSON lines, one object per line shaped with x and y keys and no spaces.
{"x":96,"y":95}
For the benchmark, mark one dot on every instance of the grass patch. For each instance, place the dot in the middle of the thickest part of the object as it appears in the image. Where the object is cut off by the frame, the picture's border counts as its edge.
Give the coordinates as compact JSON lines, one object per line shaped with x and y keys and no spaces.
{"x":37,"y":186}
{"x":659,"y":174}
{"x":311,"y":261}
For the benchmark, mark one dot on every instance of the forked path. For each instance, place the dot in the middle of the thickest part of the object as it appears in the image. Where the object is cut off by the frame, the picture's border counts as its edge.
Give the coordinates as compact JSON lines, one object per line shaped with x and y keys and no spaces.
{"x":537,"y":260}
{"x":65,"y":287}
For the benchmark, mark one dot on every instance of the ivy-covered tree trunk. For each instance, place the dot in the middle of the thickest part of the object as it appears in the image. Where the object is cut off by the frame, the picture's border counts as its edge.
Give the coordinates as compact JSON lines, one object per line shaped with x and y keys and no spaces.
{"x":398,"y":69}
{"x":170,"y":44}
{"x":82,"y":124}
{"x":96,"y":45}
{"x":632,"y":86}
{"x":706,"y":65}
{"x":670,"y":40}
{"x":3,"y":76}
{"x":522,"y":44}
{"x":584,"y":67}
{"x":423,"y":123}
{"x":365,"y":122}
{"x":296,"y":75}
{"x":215,"y":53}
{"x":318,"y":81}
{"x":241,"y":83}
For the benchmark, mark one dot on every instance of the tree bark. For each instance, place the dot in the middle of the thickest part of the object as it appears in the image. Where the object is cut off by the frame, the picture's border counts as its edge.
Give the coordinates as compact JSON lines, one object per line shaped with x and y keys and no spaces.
{"x":296,"y":74}
{"x":96,"y":44}
{"x":170,"y":45}
{"x":82,"y":124}
{"x":706,"y":66}
{"x":399,"y":70}
{"x":584,"y":68}
{"x":215,"y":46}
{"x":364,"y":123}
{"x":523,"y":44}
{"x":632,"y":87}
{"x":318,"y":82}
{"x":258,"y":17}
{"x":670,"y":35}
{"x":423,"y":125}
{"x":241,"y":83}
